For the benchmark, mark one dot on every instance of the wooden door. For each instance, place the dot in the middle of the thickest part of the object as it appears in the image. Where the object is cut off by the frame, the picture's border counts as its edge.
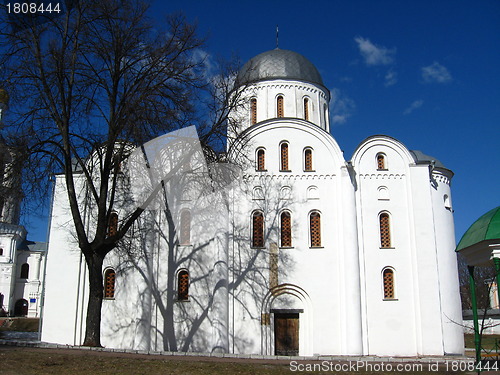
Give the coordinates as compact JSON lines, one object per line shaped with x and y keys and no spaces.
{"x":286,"y":333}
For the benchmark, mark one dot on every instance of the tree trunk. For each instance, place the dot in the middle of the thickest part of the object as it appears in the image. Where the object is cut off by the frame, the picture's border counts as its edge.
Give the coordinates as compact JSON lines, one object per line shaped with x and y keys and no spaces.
{"x":96,"y":294}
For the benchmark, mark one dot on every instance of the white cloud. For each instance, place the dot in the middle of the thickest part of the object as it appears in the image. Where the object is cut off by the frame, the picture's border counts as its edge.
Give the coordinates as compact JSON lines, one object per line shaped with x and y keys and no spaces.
{"x":341,"y":107}
{"x":373,"y":54}
{"x":345,"y":79}
{"x":391,"y":78}
{"x":436,"y":73}
{"x":204,"y":62}
{"x":413,"y":106}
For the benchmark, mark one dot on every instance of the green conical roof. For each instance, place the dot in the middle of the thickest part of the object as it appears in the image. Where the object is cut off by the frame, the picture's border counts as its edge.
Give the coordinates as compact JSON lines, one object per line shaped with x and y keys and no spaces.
{"x":487,"y":227}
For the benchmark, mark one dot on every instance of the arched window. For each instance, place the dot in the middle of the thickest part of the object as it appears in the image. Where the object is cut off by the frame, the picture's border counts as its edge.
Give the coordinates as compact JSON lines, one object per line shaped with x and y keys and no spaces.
{"x":286,"y":229}
{"x":185,"y":230}
{"x":109,"y":283}
{"x":284,"y":156}
{"x":25,"y":271}
{"x":308,"y":160}
{"x":183,"y":285}
{"x":315,"y":229}
{"x":253,"y":111}
{"x":388,"y":279}
{"x":279,"y":106}
{"x":381,"y":162}
{"x":261,"y":160}
{"x":21,"y":307}
{"x":257,"y":229}
{"x":385,"y":230}
{"x":113,"y":224}
{"x":306,"y":109}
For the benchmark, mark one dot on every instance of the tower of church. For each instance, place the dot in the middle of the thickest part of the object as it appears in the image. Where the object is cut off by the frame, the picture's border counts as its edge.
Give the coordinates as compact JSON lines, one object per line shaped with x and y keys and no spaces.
{"x":21,"y":261}
{"x":10,"y":192}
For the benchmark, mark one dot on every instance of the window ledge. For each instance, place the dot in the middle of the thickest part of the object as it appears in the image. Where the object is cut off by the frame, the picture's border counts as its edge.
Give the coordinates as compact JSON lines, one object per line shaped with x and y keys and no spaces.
{"x":382,"y":170}
{"x":287,"y":247}
{"x":387,"y":248}
{"x":310,"y":170}
{"x":316,"y":247}
{"x":257,"y":247}
{"x":390,"y":299}
{"x":285,"y":170}
{"x":182,"y":300}
{"x":108,"y":299}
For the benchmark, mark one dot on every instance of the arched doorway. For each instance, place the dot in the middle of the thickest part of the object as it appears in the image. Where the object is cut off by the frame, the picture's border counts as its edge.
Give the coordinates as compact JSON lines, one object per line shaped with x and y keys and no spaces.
{"x":21,"y":308}
{"x":287,"y":321}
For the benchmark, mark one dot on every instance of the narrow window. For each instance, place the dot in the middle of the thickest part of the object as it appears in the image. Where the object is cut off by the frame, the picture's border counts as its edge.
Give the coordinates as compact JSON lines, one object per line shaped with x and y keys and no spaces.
{"x":385,"y":231}
{"x":258,"y":229}
{"x":388,"y":276}
{"x":113,"y":224}
{"x":25,"y":270}
{"x":308,"y":162}
{"x":306,"y":109}
{"x":286,"y":229}
{"x":315,"y":229}
{"x":279,"y":104}
{"x":109,"y":283}
{"x":1,"y":251}
{"x":261,"y":160}
{"x":284,"y":156}
{"x":253,"y":111}
{"x":447,"y":202}
{"x":381,"y":162}
{"x":183,"y":285}
{"x":325,"y":114}
{"x":185,"y":232}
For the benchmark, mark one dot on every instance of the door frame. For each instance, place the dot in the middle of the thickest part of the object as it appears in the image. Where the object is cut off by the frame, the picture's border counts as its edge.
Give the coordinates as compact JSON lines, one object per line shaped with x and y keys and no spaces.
{"x":276,"y":313}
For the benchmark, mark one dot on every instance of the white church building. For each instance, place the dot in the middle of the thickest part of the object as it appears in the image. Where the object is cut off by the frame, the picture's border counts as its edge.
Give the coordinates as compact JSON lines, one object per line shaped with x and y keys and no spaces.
{"x":21,"y":261}
{"x":304,"y":253}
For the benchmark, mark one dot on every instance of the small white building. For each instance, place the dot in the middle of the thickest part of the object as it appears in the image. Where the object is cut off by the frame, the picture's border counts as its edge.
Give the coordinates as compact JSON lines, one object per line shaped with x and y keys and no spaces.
{"x":304,"y":253}
{"x":21,"y":261}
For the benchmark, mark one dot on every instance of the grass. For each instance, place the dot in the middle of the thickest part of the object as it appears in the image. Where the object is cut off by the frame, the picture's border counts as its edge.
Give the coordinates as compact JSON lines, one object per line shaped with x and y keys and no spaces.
{"x":39,"y":361}
{"x":31,"y":361}
{"x":487,"y":341}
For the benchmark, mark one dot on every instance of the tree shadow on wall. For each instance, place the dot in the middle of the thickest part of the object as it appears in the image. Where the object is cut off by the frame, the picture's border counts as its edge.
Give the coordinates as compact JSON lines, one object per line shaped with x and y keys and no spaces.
{"x":215,"y":249}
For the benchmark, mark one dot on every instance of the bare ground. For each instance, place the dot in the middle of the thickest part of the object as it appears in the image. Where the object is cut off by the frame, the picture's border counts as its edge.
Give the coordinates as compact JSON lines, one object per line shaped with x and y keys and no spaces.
{"x":43,"y":361}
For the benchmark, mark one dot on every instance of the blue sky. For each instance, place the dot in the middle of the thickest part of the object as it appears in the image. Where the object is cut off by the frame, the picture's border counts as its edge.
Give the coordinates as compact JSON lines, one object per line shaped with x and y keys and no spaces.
{"x":423,"y":72}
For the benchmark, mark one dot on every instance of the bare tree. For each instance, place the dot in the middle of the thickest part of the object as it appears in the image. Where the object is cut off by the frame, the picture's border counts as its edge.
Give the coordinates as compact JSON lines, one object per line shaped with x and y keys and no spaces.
{"x":95,"y":81}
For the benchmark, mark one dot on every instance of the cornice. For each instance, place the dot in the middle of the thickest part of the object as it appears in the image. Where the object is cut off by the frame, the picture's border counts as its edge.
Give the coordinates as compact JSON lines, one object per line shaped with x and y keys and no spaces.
{"x":382,"y":176}
{"x":287,"y":177}
{"x":299,"y":86}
